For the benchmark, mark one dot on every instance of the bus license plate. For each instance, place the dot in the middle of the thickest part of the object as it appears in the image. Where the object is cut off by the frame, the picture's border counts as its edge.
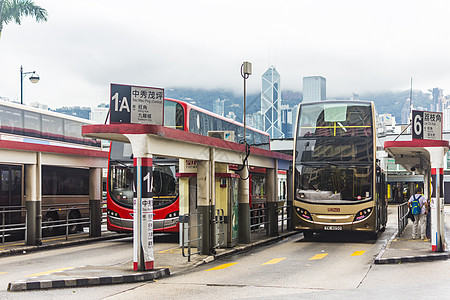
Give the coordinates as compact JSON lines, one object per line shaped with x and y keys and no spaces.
{"x":332,"y":227}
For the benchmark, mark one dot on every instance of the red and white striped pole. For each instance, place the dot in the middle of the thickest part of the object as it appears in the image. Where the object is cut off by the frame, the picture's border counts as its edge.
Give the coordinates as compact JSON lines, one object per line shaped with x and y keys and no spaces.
{"x":143,"y":214}
{"x":437,"y":198}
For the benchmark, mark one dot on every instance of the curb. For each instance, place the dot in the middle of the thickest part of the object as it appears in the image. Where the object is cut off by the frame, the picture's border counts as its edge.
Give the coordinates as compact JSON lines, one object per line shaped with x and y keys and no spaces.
{"x":407,"y":259}
{"x":87,"y":281}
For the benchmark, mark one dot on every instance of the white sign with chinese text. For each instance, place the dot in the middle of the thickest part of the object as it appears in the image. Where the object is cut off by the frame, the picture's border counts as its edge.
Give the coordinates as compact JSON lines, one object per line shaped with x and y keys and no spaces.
{"x":427,"y":125}
{"x":147,"y":105}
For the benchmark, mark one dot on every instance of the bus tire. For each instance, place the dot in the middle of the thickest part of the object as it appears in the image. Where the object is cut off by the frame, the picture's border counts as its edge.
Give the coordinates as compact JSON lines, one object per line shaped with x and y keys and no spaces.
{"x":51,"y":216}
{"x":74,"y":214}
{"x":308,"y":234}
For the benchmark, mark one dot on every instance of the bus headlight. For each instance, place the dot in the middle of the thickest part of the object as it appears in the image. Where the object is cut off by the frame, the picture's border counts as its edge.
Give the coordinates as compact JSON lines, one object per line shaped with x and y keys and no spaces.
{"x":362,"y":214}
{"x":303,"y":213}
{"x":112,"y":213}
{"x":172,"y":215}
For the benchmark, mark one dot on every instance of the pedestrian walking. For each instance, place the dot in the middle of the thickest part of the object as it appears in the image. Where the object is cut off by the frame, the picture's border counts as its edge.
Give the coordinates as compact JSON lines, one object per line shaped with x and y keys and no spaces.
{"x":419,"y":208}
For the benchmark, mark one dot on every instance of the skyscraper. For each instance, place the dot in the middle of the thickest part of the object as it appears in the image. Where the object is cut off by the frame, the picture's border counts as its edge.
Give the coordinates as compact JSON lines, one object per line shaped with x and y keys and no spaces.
{"x":219,"y":107}
{"x":438,"y":100}
{"x":314,"y":89}
{"x":270,"y":103}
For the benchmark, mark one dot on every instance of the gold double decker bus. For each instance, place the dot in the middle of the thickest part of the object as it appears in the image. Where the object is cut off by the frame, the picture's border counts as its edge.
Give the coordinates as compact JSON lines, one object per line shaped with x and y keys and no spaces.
{"x":339,"y":184}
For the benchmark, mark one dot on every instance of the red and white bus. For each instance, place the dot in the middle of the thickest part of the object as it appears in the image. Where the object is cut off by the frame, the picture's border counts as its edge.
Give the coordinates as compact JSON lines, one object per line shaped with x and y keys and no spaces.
{"x":182,"y":116}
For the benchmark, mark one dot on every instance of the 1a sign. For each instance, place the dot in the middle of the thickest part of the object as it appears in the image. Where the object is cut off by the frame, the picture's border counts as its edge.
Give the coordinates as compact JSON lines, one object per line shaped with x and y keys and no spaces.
{"x":136,"y":104}
{"x":426,"y":125}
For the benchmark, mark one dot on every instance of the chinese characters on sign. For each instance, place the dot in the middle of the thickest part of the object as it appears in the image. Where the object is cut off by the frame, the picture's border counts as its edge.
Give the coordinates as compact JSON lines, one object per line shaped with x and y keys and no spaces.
{"x":427,"y":125}
{"x":134,"y":104}
{"x":147,"y":105}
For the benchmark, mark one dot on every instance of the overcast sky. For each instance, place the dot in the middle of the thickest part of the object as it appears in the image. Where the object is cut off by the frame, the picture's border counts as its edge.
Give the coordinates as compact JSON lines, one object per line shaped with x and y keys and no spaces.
{"x":357,"y":46}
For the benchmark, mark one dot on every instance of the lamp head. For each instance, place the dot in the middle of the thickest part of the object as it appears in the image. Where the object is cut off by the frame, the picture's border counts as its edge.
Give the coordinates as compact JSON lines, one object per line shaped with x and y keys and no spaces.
{"x":34,"y":78}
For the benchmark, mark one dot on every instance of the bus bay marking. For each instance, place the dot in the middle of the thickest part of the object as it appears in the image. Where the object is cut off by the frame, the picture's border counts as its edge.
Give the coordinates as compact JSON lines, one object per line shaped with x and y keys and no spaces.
{"x":50,"y":272}
{"x":274,"y":261}
{"x":221,"y":267}
{"x":171,"y":251}
{"x":358,"y":253}
{"x":318,"y":256}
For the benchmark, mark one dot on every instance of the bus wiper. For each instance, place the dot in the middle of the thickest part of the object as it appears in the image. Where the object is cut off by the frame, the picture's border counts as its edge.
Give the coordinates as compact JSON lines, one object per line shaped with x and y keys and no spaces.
{"x":120,"y":163}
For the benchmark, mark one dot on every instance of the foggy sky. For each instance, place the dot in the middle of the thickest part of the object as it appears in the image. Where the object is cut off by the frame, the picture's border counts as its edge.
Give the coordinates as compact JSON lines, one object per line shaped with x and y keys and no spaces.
{"x":358,"y":46}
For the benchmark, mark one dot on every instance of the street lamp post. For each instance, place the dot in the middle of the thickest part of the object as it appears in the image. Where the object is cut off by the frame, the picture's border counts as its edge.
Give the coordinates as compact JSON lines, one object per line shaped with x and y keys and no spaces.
{"x":34,"y":78}
{"x":246,"y":71}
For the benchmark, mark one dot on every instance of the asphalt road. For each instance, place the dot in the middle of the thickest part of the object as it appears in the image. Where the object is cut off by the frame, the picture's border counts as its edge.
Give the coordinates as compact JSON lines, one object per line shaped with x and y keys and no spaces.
{"x":330,"y":266}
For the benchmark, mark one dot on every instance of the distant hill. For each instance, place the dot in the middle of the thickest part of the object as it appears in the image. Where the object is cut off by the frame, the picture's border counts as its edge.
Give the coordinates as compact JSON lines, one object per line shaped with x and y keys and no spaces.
{"x":385,"y":102}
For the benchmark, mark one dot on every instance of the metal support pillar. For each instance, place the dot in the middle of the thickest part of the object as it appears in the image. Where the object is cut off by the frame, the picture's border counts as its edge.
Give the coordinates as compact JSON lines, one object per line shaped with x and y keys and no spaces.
{"x":33,"y":235}
{"x":95,"y":198}
{"x":272,"y":200}
{"x":143,"y":214}
{"x":244,"y":207}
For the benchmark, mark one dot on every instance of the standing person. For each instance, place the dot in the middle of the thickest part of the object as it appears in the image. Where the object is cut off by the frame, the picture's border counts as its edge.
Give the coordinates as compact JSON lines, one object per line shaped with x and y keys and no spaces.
{"x":419,"y":208}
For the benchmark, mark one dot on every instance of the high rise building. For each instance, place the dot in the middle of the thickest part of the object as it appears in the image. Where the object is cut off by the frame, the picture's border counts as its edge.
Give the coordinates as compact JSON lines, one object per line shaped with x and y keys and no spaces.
{"x":219,"y":107}
{"x":287,"y":117}
{"x":314,"y":89}
{"x":438,"y":100}
{"x":270,"y":103}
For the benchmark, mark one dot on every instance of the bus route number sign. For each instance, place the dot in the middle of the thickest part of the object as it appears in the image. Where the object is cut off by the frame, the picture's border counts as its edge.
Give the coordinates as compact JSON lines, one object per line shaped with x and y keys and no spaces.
{"x":136,"y":104}
{"x":426,"y":125}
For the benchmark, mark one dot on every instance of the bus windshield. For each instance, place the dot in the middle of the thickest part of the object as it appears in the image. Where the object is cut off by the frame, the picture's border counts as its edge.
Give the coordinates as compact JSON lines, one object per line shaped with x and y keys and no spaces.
{"x":121,"y":173}
{"x":334,"y":152}
{"x":327,"y":183}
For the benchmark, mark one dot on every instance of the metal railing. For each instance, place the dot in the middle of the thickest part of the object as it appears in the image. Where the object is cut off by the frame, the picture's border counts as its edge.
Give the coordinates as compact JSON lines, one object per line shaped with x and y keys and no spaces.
{"x":16,"y":227}
{"x":76,"y":216}
{"x":402,"y":214}
{"x":56,"y":219}
{"x":219,"y":220}
{"x":283,"y":217}
{"x":258,"y":220}
{"x":185,"y":220}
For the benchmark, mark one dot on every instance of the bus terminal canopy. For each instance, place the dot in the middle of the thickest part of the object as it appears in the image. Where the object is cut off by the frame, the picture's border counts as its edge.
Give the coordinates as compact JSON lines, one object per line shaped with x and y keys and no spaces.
{"x":415,"y":155}
{"x":426,"y":157}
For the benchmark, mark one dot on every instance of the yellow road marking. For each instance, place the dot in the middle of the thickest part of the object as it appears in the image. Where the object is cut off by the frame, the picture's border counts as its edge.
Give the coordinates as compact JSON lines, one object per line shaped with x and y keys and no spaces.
{"x":171,"y":251}
{"x":274,"y":261}
{"x":358,"y":253}
{"x":221,"y":267}
{"x":318,"y":256}
{"x":1,"y":273}
{"x":49,"y":272}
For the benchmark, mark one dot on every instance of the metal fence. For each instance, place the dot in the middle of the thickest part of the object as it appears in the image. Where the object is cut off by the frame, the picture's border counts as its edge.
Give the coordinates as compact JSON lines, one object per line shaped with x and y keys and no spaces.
{"x":258,"y":220}
{"x":186,"y":240}
{"x":219,"y":220}
{"x":57,"y":220}
{"x":12,"y":221}
{"x":402,"y":214}
{"x":283,"y":217}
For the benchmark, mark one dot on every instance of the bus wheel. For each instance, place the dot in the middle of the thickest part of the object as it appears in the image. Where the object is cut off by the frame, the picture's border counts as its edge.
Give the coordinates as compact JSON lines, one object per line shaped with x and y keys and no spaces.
{"x":50,"y":219}
{"x":308,"y":234}
{"x":74,"y":215}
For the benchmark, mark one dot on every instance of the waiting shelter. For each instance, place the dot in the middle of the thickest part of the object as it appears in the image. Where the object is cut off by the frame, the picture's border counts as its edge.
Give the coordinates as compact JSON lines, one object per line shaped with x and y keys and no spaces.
{"x":149,"y":140}
{"x":424,"y":154}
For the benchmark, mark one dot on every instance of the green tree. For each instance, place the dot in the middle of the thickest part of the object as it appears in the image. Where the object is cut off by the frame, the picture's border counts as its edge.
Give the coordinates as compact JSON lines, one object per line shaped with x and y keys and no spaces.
{"x":14,"y":10}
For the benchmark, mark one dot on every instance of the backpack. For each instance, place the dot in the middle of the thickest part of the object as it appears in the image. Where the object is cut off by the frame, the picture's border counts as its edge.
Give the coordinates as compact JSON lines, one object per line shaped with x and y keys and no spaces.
{"x":415,"y":206}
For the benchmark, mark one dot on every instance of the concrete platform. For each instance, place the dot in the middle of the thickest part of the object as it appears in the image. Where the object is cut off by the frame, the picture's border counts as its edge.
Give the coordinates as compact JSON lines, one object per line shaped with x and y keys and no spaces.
{"x":403,"y":249}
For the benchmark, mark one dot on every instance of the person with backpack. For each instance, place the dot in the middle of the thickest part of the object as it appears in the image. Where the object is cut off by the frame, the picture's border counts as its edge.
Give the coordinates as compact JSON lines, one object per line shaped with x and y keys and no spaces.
{"x":419,"y":208}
